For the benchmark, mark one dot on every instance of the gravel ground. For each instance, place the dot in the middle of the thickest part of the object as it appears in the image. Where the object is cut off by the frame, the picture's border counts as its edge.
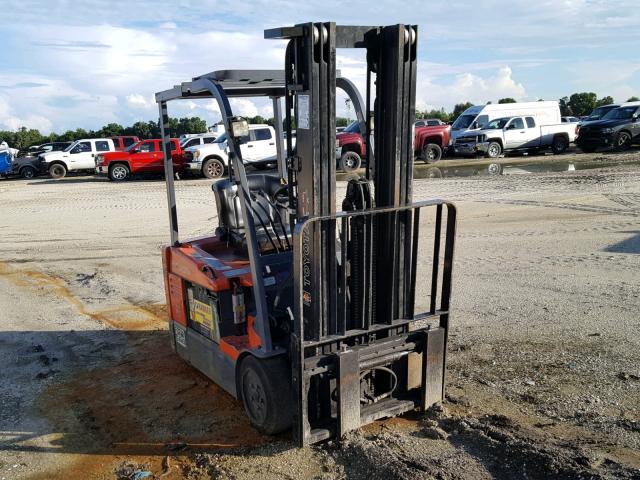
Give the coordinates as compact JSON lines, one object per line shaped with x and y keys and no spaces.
{"x":544,"y":378}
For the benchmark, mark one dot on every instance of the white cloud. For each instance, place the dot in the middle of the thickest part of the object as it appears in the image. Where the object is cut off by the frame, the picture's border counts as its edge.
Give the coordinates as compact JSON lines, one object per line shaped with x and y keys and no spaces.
{"x":137,"y":100}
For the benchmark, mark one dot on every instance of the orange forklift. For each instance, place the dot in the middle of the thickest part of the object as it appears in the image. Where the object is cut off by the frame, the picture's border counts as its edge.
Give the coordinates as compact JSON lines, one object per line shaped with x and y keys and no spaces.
{"x":305,"y":313}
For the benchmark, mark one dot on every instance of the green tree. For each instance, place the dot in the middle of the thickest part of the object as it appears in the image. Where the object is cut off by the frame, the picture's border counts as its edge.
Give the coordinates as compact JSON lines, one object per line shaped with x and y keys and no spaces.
{"x":458,"y":109}
{"x":507,"y":100}
{"x":608,"y":100}
{"x":582,"y":103}
{"x":633,"y":99}
{"x":565,"y":108}
{"x":342,"y":121}
{"x":440,"y":114}
{"x":111,"y":130}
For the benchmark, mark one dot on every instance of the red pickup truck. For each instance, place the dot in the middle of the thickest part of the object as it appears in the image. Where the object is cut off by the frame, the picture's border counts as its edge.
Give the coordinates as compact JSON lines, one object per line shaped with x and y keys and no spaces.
{"x":124,"y":141}
{"x":429,"y":143}
{"x":142,"y":157}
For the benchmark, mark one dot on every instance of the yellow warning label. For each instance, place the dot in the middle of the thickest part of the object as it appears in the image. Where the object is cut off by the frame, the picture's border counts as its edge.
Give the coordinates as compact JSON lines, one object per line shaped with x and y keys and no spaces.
{"x":202,"y":313}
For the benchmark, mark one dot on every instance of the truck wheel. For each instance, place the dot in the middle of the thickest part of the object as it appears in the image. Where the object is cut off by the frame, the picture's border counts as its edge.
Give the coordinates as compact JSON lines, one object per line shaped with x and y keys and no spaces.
{"x":57,"y":170}
{"x":494,"y":150}
{"x":119,"y":172}
{"x":432,"y":153}
{"x":350,"y":161}
{"x":266,"y":393}
{"x":28,"y":172}
{"x":622,"y":141}
{"x":213,"y":168}
{"x":559,"y":144}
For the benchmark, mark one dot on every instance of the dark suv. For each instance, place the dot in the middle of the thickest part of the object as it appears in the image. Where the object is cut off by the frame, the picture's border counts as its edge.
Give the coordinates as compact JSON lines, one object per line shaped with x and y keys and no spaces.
{"x":618,"y":129}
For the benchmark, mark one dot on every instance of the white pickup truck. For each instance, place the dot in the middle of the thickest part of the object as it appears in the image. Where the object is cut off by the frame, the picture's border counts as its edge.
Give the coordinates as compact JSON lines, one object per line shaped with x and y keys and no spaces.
{"x":80,"y":155}
{"x":515,"y":133}
{"x":211,"y":160}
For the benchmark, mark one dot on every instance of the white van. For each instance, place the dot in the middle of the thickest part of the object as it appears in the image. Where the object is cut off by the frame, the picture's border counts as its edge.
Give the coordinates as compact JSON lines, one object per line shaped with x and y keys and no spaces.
{"x":474,"y":118}
{"x":80,"y":155}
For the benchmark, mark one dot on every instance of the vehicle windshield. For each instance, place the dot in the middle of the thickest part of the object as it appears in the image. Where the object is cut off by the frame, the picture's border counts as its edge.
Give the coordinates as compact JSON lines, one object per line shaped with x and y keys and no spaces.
{"x":133,"y":146}
{"x":497,"y":124}
{"x":599,"y":112}
{"x":622,"y":113}
{"x":463,"y":122}
{"x":354,"y":127}
{"x":68,"y":149}
{"x":221,"y":138}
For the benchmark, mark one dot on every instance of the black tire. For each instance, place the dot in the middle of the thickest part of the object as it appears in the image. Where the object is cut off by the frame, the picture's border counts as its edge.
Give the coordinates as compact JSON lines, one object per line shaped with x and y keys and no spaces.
{"x":265,"y":390}
{"x":57,"y":170}
{"x":432,"y":153}
{"x":213,"y":168}
{"x":560,"y":144}
{"x":119,"y":172}
{"x":27,"y":172}
{"x":622,"y":141}
{"x":494,"y":150}
{"x":350,"y":161}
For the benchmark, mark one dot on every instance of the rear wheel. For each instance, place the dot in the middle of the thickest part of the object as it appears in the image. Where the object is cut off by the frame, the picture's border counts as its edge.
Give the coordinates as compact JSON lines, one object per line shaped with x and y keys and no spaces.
{"x":559,"y":144}
{"x":57,"y":170}
{"x":119,"y":172}
{"x":266,"y":393}
{"x":213,"y":168}
{"x":494,"y":150}
{"x":350,"y":161}
{"x":432,"y":153}
{"x":622,"y":141}
{"x":28,"y":172}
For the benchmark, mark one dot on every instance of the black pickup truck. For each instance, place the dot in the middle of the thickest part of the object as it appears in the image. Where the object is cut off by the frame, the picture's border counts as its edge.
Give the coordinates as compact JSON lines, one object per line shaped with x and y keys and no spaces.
{"x":618,"y":129}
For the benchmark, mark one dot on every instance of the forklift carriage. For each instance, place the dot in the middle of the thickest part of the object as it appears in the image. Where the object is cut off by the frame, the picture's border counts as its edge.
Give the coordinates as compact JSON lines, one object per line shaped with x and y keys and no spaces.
{"x":305,"y":313}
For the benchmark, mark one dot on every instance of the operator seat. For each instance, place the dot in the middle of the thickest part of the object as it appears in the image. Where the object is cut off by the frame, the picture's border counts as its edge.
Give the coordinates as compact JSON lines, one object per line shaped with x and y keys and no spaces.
{"x":272,"y":229}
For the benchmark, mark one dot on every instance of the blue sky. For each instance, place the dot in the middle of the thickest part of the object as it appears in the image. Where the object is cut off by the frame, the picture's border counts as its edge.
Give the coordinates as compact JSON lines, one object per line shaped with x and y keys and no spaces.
{"x":69,"y":64}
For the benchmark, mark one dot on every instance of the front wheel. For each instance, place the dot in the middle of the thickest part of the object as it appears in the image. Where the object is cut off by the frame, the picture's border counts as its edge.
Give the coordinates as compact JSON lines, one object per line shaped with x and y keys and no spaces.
{"x":57,"y":170}
{"x":28,"y":172}
{"x":213,"y":168}
{"x":432,"y":153}
{"x":266,"y":393}
{"x":494,"y":150}
{"x":560,"y":144}
{"x":350,"y":161}
{"x":622,"y":141}
{"x":119,"y":172}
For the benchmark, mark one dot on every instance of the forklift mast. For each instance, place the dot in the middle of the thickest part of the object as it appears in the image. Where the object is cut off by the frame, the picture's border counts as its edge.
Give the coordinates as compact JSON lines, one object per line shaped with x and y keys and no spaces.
{"x":357,"y":345}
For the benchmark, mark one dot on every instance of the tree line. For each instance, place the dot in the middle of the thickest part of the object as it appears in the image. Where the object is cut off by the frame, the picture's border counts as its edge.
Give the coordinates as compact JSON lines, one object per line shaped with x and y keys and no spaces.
{"x":578,"y":104}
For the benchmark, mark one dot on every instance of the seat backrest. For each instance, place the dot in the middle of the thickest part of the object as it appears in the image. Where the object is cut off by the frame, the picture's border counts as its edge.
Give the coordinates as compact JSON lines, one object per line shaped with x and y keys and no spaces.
{"x":228,"y":201}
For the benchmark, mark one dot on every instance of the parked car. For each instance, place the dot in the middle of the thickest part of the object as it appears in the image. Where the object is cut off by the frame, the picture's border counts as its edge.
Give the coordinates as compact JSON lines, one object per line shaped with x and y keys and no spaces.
{"x":515,"y":133}
{"x":429,"y":122}
{"x":570,"y":120}
{"x":35,"y":150}
{"x":429,"y":144}
{"x":187,"y":141}
{"x":618,"y":129}
{"x":211,"y":160}
{"x":78,"y":156}
{"x":145,"y":156}
{"x":476,"y":117}
{"x":123,"y":142}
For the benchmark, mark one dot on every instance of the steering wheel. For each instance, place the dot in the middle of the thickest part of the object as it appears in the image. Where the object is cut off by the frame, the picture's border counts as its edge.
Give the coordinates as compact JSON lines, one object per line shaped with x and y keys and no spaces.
{"x":281,"y":196}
